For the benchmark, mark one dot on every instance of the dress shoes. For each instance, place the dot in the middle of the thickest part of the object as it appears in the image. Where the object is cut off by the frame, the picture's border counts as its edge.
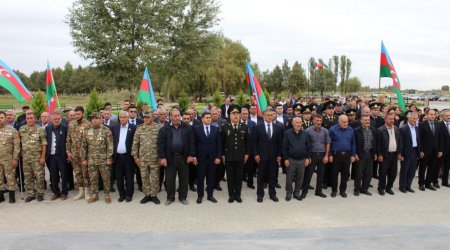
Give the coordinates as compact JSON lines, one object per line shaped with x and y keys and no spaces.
{"x":260,"y":199}
{"x":277,"y":185}
{"x":218,"y":188}
{"x":381,"y":192}
{"x":40,"y":198}
{"x":333,"y":194}
{"x":212,"y":199}
{"x":410,"y":190}
{"x":168,"y":202}
{"x":366,"y":193}
{"x":403,"y":190}
{"x":128,"y":199}
{"x":430,"y":187}
{"x":199,"y":200}
{"x":122,"y":198}
{"x":184,"y":202}
{"x":231,"y":200}
{"x":390,"y":192}
{"x":238,"y":199}
{"x":422,"y":188}
{"x":55,"y":197}
{"x":192,"y":188}
{"x":288,"y":197}
{"x":436,"y":185}
{"x":321,"y":195}
{"x":344,"y":195}
{"x":356,"y":193}
{"x":251,"y":186}
{"x":274,"y":198}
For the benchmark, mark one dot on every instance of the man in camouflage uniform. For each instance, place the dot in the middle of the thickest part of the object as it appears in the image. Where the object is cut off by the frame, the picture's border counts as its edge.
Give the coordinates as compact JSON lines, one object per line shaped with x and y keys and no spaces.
{"x":34,"y":145}
{"x":73,"y":147}
{"x":96,"y":155}
{"x":145,"y":154}
{"x":9,"y":156}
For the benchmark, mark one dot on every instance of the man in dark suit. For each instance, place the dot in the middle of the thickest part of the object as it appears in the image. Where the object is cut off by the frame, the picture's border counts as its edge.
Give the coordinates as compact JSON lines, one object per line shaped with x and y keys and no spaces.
{"x":208,"y":152}
{"x":133,"y":119}
{"x":366,"y":153}
{"x":445,"y":142}
{"x":253,"y":116}
{"x":226,"y":108}
{"x":234,"y":137}
{"x":280,"y":116}
{"x":56,"y":157}
{"x":430,"y":151}
{"x":107,"y":121}
{"x":250,"y":165}
{"x":410,"y":152}
{"x":267,"y":141}
{"x":389,"y":152}
{"x":124,"y":166}
{"x":176,"y":149}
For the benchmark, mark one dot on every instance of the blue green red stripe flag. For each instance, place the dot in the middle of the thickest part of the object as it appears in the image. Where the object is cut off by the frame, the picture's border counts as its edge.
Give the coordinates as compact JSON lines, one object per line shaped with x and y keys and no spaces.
{"x":258,"y":95}
{"x":11,"y":82}
{"x":146,"y":94}
{"x":50,"y":92}
{"x":387,"y":70}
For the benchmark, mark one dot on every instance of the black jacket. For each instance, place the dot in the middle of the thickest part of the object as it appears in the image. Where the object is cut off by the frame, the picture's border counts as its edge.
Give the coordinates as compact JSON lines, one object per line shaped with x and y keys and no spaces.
{"x":128,"y":142}
{"x":359,"y":138}
{"x":165,"y":141}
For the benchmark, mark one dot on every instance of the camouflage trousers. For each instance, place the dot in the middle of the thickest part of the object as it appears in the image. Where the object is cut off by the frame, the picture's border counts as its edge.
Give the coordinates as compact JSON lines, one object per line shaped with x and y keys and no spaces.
{"x":106,"y":177}
{"x":34,"y":178}
{"x":81,"y":172}
{"x":150,"y":177}
{"x":8,"y":172}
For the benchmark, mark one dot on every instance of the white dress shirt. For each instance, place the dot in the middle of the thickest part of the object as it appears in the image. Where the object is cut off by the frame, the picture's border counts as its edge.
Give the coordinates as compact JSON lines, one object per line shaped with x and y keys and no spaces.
{"x":121,"y":147}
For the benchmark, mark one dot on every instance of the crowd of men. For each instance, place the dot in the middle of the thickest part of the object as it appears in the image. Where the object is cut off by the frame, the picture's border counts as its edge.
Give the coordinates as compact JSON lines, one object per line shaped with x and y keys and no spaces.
{"x":356,"y":139}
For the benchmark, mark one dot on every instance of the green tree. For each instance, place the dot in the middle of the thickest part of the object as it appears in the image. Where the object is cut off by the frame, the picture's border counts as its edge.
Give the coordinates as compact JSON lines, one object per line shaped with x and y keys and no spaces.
{"x":353,"y":85}
{"x":297,"y":79}
{"x":94,"y":103}
{"x":38,"y":104}
{"x":343,"y":72}
{"x":217,"y":98}
{"x":183,"y":100}
{"x":124,"y":36}
{"x":240,"y":99}
{"x":286,"y":72}
{"x":275,"y":83}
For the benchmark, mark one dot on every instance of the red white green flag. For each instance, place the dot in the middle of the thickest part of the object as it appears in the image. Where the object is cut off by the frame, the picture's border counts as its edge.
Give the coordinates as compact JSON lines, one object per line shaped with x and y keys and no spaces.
{"x":50,"y":92}
{"x":387,"y":70}
{"x":258,"y":95}
{"x":11,"y":82}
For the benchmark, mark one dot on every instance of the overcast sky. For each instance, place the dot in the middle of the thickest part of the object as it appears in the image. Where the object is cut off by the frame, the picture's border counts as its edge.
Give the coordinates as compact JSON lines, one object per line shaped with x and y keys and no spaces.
{"x":416,"y":34}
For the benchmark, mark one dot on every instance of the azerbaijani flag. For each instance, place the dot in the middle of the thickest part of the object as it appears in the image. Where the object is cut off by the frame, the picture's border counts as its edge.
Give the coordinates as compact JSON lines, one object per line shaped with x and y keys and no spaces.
{"x":258,"y":95}
{"x":146,"y":94}
{"x":11,"y":82}
{"x":50,"y":92}
{"x":321,"y":65}
{"x":387,"y":70}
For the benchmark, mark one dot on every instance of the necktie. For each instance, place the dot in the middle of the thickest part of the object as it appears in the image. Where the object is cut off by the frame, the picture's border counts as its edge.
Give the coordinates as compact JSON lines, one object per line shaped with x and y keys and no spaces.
{"x":432,"y":127}
{"x":235,"y":127}
{"x":207,"y":132}
{"x":448,"y":127}
{"x":269,"y":132}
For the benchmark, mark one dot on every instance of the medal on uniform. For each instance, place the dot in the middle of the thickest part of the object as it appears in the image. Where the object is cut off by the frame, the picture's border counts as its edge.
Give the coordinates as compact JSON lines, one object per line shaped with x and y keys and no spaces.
{"x":228,"y":132}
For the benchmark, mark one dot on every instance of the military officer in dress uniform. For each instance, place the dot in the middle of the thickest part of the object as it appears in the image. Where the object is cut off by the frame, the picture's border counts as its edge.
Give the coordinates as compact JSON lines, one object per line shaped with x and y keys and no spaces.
{"x":328,"y":120}
{"x":338,"y":109}
{"x":9,"y":156}
{"x":235,"y":153}
{"x":352,"y":122}
{"x":306,"y":117}
{"x":96,"y":155}
{"x":376,"y":121}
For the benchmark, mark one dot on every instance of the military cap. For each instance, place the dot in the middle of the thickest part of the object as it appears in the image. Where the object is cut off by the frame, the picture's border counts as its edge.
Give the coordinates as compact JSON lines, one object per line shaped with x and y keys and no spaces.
{"x":95,"y":115}
{"x":67,"y":109}
{"x":327,"y":105}
{"x":306,"y":109}
{"x":297,"y":106}
{"x":338,"y":103}
{"x":235,"y":110}
{"x":374,"y":105}
{"x":350,"y":111}
{"x":313,"y":107}
{"x":147,"y":114}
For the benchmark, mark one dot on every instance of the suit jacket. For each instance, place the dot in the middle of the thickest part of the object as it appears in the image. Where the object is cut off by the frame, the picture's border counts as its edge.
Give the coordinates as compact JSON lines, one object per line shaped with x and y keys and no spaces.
{"x":62,"y":145}
{"x":259,"y":119}
{"x":444,"y":138}
{"x":407,"y":149}
{"x":428,"y":141}
{"x":164,"y":141}
{"x":359,"y":138}
{"x":139,"y":121}
{"x":225,"y":111}
{"x":267,"y":149}
{"x":196,"y":122}
{"x":383,"y":140}
{"x":128,"y":142}
{"x":207,"y":147}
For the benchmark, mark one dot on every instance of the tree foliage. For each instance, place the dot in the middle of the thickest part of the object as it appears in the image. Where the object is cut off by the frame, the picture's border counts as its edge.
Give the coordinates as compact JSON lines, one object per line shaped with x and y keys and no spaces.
{"x":38,"y":104}
{"x":297,"y":79}
{"x":94,"y":103}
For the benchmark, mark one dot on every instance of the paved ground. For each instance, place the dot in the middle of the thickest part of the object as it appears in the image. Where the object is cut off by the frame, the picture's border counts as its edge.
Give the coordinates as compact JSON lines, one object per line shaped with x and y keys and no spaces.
{"x":354,"y":222}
